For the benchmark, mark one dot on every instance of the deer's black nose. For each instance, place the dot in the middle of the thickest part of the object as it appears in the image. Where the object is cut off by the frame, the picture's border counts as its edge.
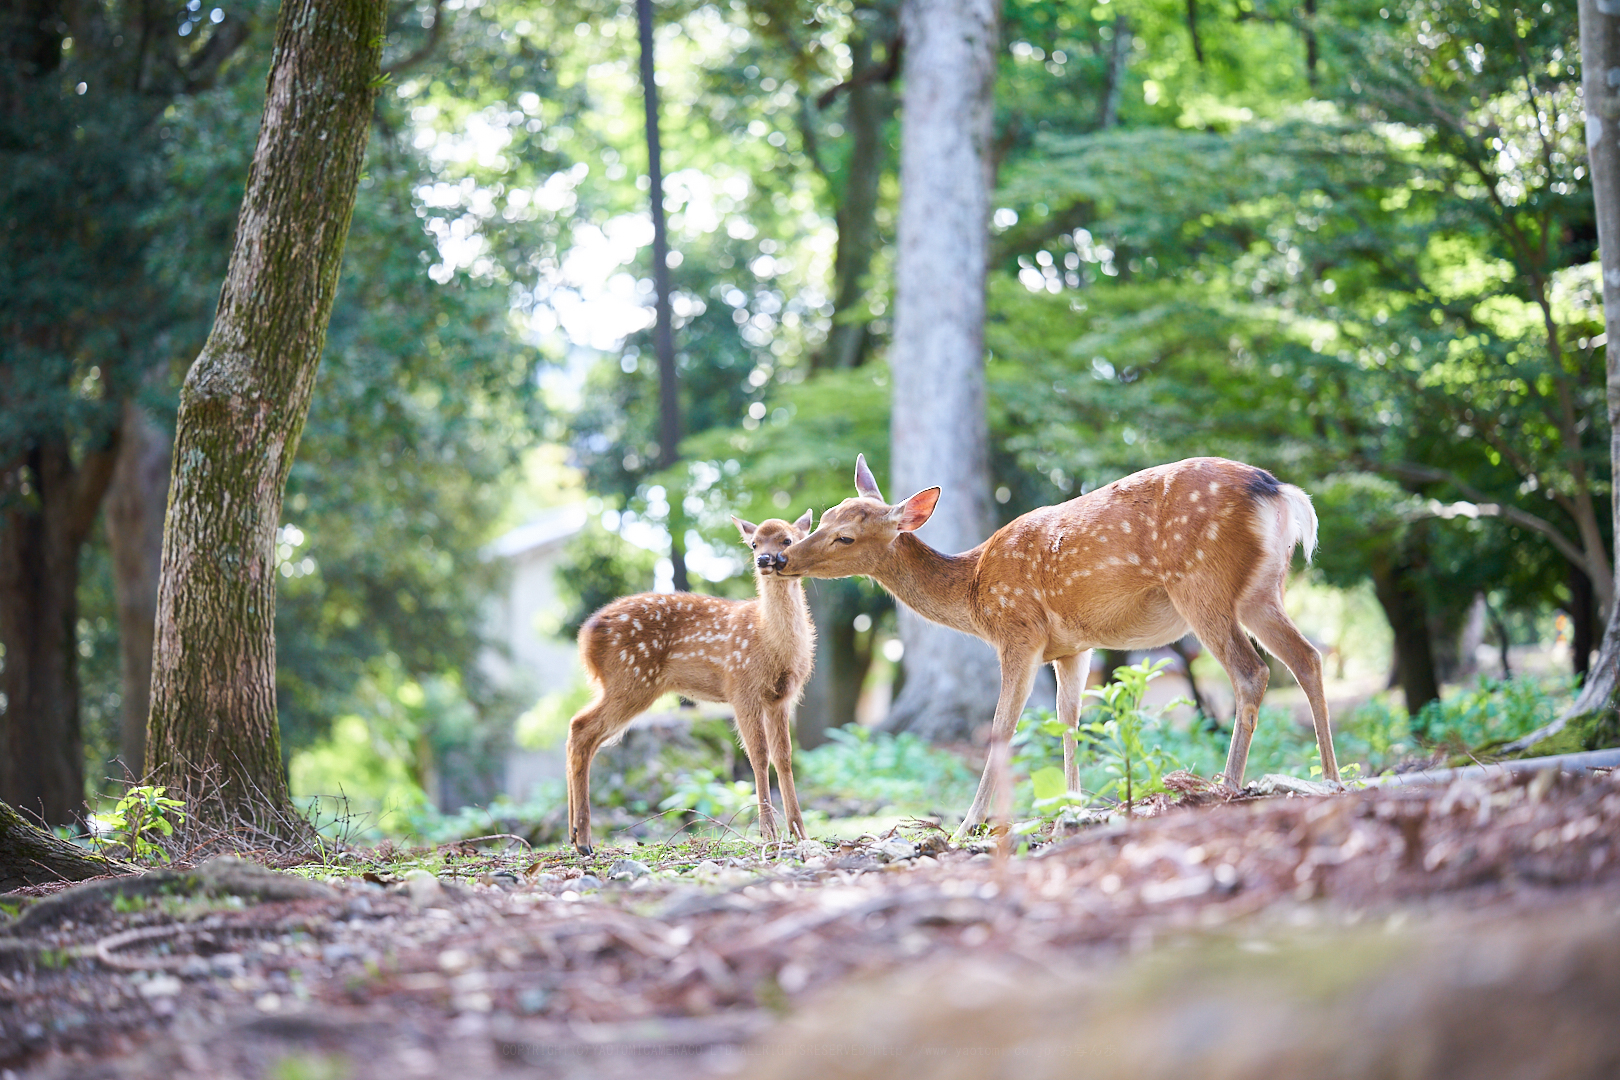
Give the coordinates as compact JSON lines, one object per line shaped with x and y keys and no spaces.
{"x":768,"y":561}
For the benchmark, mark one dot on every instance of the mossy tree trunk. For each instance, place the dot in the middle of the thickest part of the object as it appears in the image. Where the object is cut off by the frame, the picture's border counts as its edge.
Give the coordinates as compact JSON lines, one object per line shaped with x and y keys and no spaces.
{"x":47,"y":507}
{"x":32,"y":856}
{"x":213,"y":736}
{"x":1599,"y":702}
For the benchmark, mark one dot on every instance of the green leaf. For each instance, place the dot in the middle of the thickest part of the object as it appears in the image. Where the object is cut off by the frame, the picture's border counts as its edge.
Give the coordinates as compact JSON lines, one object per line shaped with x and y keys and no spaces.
{"x":1049,"y":782}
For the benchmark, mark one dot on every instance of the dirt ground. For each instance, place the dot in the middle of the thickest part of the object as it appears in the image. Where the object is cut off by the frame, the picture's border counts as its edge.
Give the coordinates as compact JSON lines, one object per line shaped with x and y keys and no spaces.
{"x":1474,"y":925}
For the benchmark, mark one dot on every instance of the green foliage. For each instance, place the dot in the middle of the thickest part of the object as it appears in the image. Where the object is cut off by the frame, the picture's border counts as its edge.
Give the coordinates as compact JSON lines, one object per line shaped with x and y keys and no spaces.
{"x":142,"y":814}
{"x":1117,"y":737}
{"x":883,"y":771}
{"x":703,"y":793}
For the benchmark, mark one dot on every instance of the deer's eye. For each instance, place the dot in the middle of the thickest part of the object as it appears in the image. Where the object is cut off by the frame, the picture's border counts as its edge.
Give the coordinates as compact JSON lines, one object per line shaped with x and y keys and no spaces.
{"x":844,"y":540}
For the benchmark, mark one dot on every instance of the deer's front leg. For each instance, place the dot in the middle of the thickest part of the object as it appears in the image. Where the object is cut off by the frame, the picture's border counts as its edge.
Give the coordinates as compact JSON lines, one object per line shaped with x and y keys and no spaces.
{"x":1017,"y":679}
{"x":751,"y":728}
{"x":1071,"y":672}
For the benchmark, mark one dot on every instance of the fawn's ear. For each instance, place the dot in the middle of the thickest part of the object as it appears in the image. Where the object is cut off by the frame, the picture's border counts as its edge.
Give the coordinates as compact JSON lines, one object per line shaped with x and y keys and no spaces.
{"x":865,"y":484}
{"x":912,"y":514}
{"x":745,"y":527}
{"x":803,"y":524}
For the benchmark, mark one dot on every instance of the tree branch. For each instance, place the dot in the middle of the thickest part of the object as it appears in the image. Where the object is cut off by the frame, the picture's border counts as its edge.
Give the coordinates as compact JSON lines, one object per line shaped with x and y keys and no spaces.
{"x":399,"y":67}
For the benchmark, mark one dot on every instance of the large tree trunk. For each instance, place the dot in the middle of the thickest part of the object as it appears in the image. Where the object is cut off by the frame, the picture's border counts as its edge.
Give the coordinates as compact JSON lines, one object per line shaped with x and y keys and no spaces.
{"x":134,"y":515}
{"x":213,"y":732}
{"x":32,"y":856}
{"x":49,"y":507}
{"x":1399,"y":594}
{"x":938,"y":428}
{"x":1597,"y":708}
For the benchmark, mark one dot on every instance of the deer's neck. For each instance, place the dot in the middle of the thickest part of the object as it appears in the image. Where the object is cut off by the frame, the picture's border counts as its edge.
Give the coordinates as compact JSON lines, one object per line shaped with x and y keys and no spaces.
{"x":784,"y":616}
{"x":937,"y":586}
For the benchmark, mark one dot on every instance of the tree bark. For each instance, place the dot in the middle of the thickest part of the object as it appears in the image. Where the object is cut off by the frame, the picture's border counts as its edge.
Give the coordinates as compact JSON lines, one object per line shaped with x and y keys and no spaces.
{"x":31,"y":856}
{"x":834,"y":687}
{"x":870,"y":104}
{"x":49,"y":507}
{"x":1398,"y":593}
{"x":669,"y":402}
{"x":134,"y":516}
{"x":214,"y":739}
{"x":1598,"y":704}
{"x":938,"y":428}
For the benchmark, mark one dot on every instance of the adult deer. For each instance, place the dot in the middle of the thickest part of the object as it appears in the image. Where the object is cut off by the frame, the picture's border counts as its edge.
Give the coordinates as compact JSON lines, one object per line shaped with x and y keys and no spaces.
{"x":755,"y":654}
{"x":1203,"y":544}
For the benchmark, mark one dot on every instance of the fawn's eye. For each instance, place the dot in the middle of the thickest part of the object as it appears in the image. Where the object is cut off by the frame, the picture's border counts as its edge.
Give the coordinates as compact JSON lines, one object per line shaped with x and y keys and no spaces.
{"x":844,"y":540}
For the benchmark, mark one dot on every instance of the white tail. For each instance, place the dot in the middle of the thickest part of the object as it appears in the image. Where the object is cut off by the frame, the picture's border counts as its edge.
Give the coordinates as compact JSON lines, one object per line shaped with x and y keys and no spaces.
{"x":755,"y":654}
{"x":1202,"y":544}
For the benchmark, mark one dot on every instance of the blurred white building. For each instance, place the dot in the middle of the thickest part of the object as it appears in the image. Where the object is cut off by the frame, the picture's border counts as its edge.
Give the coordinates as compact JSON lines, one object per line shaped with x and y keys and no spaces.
{"x":529,"y":659}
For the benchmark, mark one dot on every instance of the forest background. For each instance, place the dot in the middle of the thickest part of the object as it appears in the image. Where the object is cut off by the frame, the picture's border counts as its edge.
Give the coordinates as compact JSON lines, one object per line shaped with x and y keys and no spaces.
{"x":1348,"y":242}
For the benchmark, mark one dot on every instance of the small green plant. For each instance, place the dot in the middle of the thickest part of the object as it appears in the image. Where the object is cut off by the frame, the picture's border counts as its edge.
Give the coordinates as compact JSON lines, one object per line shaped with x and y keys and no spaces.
{"x":900,"y":772}
{"x":140,"y":815}
{"x":1117,"y":737}
{"x":702,"y":792}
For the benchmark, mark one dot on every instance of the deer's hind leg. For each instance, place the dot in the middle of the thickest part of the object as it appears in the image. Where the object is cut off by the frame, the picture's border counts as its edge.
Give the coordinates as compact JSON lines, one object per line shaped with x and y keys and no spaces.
{"x":592,"y":726}
{"x":1270,"y":623}
{"x":1221,"y":634}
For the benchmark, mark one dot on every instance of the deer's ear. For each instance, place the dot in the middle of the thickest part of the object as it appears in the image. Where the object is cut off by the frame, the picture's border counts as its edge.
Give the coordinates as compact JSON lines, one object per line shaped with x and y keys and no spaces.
{"x":745,"y":527}
{"x":804,"y":523}
{"x":865,"y":485}
{"x":912,"y":514}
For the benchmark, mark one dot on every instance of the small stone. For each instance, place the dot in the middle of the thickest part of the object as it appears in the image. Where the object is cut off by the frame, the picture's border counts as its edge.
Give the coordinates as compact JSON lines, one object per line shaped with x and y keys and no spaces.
{"x":627,"y":870}
{"x":586,"y":882}
{"x":894,"y":849}
{"x":425,"y":889}
{"x":454,"y":960}
{"x":532,"y":999}
{"x":161,"y":986}
{"x":810,"y":849}
{"x":706,"y":868}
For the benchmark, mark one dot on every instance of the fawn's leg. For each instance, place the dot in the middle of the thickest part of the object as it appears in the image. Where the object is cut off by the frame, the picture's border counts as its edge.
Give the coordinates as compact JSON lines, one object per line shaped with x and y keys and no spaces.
{"x":1017,"y":679}
{"x":779,"y":738}
{"x":587,"y":731}
{"x":1071,"y":672}
{"x":751,"y":729}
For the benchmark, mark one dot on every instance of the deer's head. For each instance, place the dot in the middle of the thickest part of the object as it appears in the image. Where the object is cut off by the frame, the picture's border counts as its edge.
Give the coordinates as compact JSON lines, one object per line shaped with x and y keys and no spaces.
{"x":771,"y":538}
{"x":855,"y":535}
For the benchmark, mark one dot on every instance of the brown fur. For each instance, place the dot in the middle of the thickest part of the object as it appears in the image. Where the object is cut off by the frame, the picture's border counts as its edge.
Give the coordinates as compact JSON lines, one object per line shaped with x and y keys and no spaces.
{"x":754,"y":654}
{"x":1202,"y":544}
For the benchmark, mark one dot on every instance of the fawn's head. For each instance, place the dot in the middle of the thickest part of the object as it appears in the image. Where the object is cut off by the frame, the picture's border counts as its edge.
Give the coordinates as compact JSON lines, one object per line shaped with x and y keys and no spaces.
{"x":770,"y":538}
{"x":854,"y":536}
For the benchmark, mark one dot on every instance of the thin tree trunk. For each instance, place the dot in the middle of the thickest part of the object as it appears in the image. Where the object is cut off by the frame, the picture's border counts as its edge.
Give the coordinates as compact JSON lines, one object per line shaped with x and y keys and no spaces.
{"x":938,"y":428}
{"x":870,"y":105}
{"x":1119,"y":58}
{"x":134,"y":515}
{"x":213,"y":734}
{"x":669,"y":402}
{"x":49,"y":508}
{"x":834,"y":686}
{"x":31,"y":856}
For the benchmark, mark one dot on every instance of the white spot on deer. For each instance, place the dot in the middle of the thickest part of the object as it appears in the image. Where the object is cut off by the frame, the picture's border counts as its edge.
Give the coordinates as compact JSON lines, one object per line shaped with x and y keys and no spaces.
{"x":623,"y":656}
{"x":1113,"y":560}
{"x":1124,"y":526}
{"x":1213,"y":487}
{"x":1192,"y":497}
{"x":1133,"y":560}
{"x":1177,"y":537}
{"x":624,"y":618}
{"x":1005,"y":601}
{"x":1212,"y":531}
{"x":1199,"y":554}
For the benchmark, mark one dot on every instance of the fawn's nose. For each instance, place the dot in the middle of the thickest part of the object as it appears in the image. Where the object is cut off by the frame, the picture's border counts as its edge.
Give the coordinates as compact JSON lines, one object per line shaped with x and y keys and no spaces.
{"x":768,"y":561}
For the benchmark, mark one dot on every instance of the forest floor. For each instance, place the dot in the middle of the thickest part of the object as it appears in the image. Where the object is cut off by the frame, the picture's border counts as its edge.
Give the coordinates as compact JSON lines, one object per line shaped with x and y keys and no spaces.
{"x":1388,"y":931}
